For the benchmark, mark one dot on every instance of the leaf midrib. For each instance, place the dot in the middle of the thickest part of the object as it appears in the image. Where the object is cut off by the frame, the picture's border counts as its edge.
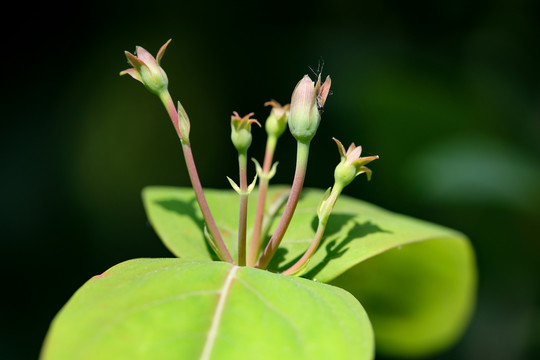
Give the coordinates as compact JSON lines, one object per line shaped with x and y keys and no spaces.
{"x":216,"y":318}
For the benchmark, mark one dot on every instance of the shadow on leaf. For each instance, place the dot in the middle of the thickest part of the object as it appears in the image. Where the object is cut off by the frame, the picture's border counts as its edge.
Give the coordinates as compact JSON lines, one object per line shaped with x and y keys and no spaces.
{"x":191,"y":210}
{"x":336,"y":250}
{"x":336,"y":223}
{"x":279,"y":257}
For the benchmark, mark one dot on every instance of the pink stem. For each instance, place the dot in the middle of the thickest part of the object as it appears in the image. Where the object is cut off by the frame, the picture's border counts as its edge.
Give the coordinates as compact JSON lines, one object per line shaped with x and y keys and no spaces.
{"x":242,"y":219}
{"x":286,"y":217}
{"x":323,"y":220}
{"x":196,"y":183}
{"x":261,"y":202}
{"x":308,"y":254}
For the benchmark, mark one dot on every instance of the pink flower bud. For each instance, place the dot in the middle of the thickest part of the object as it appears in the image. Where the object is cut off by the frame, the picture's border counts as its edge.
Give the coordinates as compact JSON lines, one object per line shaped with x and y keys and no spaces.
{"x":276,"y":123}
{"x":146,"y":69}
{"x":241,"y":131}
{"x":351,"y":164}
{"x":307,"y":101}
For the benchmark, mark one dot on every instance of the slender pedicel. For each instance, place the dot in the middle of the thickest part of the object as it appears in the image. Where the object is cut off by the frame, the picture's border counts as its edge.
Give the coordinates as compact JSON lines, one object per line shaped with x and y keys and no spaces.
{"x":275,"y":125}
{"x":350,"y":166}
{"x":261,"y":202}
{"x":147,"y":70}
{"x":302,"y":262}
{"x":272,"y":212}
{"x":286,"y":217}
{"x":241,"y":138}
{"x":205,"y":210}
{"x":307,"y":101}
{"x":242,"y":217}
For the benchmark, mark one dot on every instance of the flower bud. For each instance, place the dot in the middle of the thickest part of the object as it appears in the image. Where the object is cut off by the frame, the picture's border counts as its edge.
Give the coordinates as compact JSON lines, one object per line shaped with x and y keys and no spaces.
{"x":276,"y":123}
{"x":351,"y":164}
{"x":307,"y":101}
{"x":147,"y":70}
{"x":241,"y":131}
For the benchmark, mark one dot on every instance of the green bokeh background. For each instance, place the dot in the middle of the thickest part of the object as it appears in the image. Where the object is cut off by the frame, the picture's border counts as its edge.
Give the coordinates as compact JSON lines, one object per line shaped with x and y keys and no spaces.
{"x":447,"y":93}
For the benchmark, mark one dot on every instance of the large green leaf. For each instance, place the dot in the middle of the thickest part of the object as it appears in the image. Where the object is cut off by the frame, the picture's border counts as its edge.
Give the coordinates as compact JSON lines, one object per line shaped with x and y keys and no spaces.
{"x":420,"y":291}
{"x":419,"y":297}
{"x":183,"y":309}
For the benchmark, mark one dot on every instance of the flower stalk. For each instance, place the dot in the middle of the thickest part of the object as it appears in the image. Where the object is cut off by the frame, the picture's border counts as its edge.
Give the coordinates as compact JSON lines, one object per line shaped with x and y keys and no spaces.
{"x":203,"y":205}
{"x":264,"y":179}
{"x":242,"y":218}
{"x":329,"y":203}
{"x":302,"y":116}
{"x":147,"y":70}
{"x":275,"y":125}
{"x":302,"y":154}
{"x":307,"y":101}
{"x":241,"y":138}
{"x":350,"y":166}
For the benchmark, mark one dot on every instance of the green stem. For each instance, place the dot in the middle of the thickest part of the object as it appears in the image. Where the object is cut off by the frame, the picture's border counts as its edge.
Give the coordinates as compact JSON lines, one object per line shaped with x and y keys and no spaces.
{"x":195,"y":182}
{"x":302,"y":155}
{"x":261,"y":201}
{"x":242,"y":219}
{"x":336,"y":191}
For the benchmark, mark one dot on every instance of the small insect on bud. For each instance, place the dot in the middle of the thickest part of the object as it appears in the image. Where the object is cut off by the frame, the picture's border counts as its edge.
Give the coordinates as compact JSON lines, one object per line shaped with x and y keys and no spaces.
{"x":307,"y":103}
{"x":351,"y":164}
{"x":241,"y":131}
{"x":276,"y":123}
{"x":147,"y":70}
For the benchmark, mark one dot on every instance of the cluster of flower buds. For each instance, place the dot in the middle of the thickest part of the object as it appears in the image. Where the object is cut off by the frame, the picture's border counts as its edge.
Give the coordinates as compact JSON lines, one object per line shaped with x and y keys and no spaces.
{"x":303,"y":116}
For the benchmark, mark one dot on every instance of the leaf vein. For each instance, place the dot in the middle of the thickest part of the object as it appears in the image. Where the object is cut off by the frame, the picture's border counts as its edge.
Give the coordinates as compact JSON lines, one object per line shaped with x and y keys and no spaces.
{"x":271,"y":306}
{"x":216,"y":319}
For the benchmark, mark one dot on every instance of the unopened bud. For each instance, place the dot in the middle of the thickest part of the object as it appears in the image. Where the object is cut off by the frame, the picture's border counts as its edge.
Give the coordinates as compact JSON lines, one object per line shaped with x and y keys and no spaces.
{"x":351,"y":164}
{"x":307,"y":101}
{"x":276,"y":123}
{"x":241,"y":131}
{"x":147,"y":70}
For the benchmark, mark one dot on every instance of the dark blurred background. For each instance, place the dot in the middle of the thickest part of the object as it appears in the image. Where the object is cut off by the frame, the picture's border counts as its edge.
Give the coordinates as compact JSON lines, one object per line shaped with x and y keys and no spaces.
{"x":446,"y":92}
